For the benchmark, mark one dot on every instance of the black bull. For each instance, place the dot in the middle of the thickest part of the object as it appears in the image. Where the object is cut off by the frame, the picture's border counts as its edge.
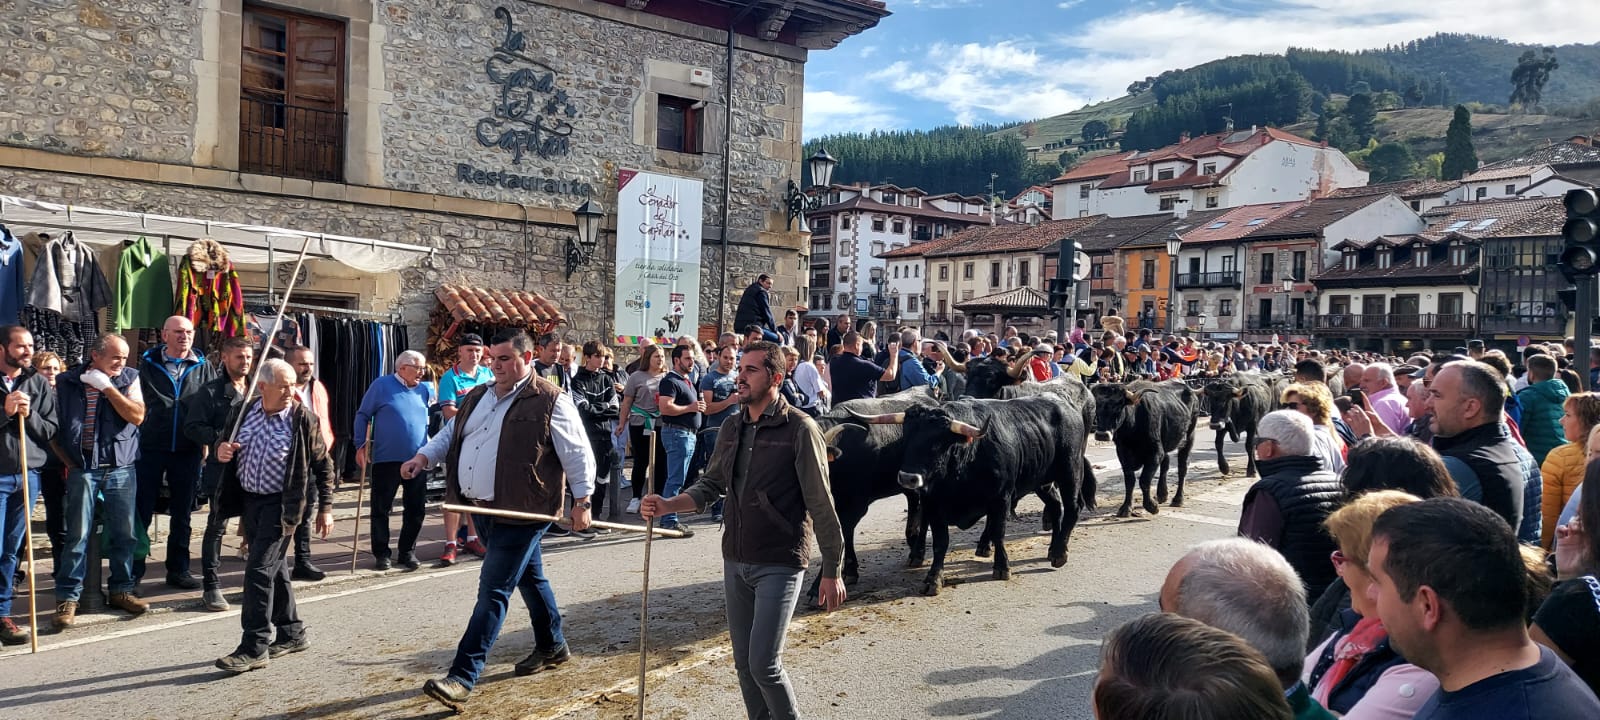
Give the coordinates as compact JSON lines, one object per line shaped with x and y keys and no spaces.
{"x":975,"y":458}
{"x":1147,"y":421}
{"x":991,"y":378}
{"x":1236,"y":406}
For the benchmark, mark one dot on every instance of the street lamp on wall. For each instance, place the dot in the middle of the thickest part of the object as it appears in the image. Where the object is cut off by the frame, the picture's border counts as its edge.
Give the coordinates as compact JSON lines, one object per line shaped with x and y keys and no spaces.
{"x":1288,"y":287}
{"x":588,"y":218}
{"x":798,"y":203}
{"x":1174,"y":244}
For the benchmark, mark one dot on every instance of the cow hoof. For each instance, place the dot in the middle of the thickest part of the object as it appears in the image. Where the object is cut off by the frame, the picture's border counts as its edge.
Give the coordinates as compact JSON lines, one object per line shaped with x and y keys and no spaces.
{"x":1177,"y":501}
{"x":1058,"y":560}
{"x":1251,"y":474}
{"x":1161,"y":496}
{"x":1151,"y":507}
{"x":915,"y":561}
{"x":1002,"y":573}
{"x":931,"y":587}
{"x":983,"y":551}
{"x":1124,"y":511}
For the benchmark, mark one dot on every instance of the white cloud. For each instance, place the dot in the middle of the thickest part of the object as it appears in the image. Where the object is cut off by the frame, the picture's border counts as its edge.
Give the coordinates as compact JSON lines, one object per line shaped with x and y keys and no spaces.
{"x":828,"y":113}
{"x":1117,"y":49}
{"x":868,"y":51}
{"x":983,"y":83}
{"x":1068,"y":4}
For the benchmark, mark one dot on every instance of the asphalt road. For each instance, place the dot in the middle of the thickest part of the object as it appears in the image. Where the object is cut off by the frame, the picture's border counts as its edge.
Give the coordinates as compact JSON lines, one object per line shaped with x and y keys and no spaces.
{"x":1016,"y":650}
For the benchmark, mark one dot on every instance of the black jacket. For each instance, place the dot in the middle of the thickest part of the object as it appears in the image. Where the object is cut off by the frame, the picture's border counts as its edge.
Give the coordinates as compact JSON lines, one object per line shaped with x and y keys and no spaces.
{"x":41,"y":424}
{"x":205,"y":417}
{"x":163,"y":395}
{"x":1490,"y":453}
{"x":310,"y":473}
{"x":595,"y":394}
{"x":1306,"y":494}
{"x":754,"y":309}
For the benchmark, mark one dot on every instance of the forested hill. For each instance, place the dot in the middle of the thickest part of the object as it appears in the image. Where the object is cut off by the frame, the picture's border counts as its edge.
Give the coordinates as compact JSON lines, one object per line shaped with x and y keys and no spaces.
{"x":941,"y":160}
{"x":1478,"y":69}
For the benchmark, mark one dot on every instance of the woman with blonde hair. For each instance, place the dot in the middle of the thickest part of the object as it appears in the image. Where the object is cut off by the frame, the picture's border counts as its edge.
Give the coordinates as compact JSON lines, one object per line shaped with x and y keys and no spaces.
{"x":1314,"y":401}
{"x":1562,"y":471}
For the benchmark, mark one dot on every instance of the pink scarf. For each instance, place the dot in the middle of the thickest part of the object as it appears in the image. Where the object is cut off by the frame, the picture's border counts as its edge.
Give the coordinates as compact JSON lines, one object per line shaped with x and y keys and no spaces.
{"x":1347,"y":651}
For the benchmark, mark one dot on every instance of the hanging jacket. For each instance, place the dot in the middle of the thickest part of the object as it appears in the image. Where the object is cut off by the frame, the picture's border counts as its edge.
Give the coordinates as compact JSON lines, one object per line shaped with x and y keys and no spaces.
{"x":68,"y":280}
{"x":1306,"y":494}
{"x":1541,"y":416}
{"x":12,"y":297}
{"x":162,"y":428}
{"x":209,"y":293}
{"x":116,"y":441}
{"x":144,"y":286}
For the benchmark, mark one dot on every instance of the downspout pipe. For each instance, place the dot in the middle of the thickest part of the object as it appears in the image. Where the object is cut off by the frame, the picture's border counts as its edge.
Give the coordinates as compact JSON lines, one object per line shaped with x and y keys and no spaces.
{"x":727,"y":170}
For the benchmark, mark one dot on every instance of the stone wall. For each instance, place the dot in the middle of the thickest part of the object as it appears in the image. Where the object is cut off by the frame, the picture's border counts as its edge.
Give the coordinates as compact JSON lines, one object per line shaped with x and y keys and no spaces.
{"x":99,"y":78}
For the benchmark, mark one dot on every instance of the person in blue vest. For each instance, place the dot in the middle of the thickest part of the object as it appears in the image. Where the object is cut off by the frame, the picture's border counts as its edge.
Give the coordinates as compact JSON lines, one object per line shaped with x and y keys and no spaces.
{"x":100,"y":406}
{"x":168,"y":374}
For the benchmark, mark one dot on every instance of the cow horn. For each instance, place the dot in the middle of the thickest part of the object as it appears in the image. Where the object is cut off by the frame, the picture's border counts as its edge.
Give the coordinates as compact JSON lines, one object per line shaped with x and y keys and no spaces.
{"x":1238,"y":392}
{"x":832,"y":434}
{"x":898,"y":418}
{"x":970,"y":432}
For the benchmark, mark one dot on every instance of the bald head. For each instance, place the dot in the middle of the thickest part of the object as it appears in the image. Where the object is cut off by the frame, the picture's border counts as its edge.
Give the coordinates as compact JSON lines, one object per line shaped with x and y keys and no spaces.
{"x":178,"y":334}
{"x":1353,"y":373}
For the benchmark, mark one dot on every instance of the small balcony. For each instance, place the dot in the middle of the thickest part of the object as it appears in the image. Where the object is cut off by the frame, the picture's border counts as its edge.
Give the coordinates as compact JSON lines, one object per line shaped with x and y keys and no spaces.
{"x":821,"y":256}
{"x":1269,"y":323}
{"x":291,"y":141}
{"x":921,"y":235}
{"x":1192,"y":280}
{"x":1430,"y":324}
{"x":1103,"y":285}
{"x":938,"y":319}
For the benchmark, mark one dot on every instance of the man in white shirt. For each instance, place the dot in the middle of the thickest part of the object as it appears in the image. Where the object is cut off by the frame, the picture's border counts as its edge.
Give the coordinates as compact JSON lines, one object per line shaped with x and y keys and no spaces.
{"x":523,"y":466}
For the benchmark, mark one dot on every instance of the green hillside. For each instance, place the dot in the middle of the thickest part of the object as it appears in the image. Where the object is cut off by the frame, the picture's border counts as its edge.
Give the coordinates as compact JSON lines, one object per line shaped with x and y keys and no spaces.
{"x":1054,"y":129}
{"x":1495,"y":137}
{"x":1478,"y":69}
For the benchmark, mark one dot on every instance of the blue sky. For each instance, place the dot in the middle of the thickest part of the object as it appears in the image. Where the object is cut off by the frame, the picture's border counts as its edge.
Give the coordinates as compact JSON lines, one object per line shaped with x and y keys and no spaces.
{"x":936,"y":62}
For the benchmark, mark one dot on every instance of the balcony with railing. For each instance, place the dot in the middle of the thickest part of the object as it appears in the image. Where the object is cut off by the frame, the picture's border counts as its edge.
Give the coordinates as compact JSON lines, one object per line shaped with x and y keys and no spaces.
{"x":821,"y":256}
{"x":921,"y":235}
{"x":291,"y":141}
{"x":1188,"y":280}
{"x":938,"y":319}
{"x":1546,"y":325}
{"x":1277,"y":322}
{"x":1416,"y":323}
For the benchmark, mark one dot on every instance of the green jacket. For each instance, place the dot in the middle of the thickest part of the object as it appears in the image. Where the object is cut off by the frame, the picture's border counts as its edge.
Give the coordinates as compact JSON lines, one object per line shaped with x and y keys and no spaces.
{"x":1541,"y":416}
{"x":144,"y":286}
{"x":1304,"y":707}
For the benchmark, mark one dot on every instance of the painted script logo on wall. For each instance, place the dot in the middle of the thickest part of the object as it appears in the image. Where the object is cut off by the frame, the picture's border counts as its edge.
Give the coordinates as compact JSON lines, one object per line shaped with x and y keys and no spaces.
{"x":531,"y":115}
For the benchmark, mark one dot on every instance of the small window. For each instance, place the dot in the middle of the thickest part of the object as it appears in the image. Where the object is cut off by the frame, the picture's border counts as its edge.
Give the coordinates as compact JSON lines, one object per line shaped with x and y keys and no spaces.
{"x":844,"y":275}
{"x":1218,"y":225}
{"x":1149,"y":273}
{"x":1192,"y":308}
{"x":1225,"y":306}
{"x":916,"y":271}
{"x":1208,"y":169}
{"x":911,"y":303}
{"x":994,"y":274}
{"x":1459,"y":224}
{"x":1269,"y":264}
{"x":1211,"y":201}
{"x":877,"y":224}
{"x":944,"y":272}
{"x":1024,"y":277}
{"x":1164,"y":174}
{"x":1482,"y":193}
{"x":890,"y":198}
{"x":820,"y":226}
{"x":1140,"y":176}
{"x":844,"y":223}
{"x":897,"y":272}
{"x":966,"y":271}
{"x":899,"y":227}
{"x":1416,"y":205}
{"x":1255,"y":221}
{"x":1511,"y":189}
{"x":1083,"y":191}
{"x":678,"y":124}
{"x":1168,"y":202}
{"x":1485,"y":223}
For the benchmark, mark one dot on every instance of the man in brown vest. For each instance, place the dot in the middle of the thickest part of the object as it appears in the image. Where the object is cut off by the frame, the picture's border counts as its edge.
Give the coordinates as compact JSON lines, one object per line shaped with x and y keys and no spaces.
{"x":515,"y":444}
{"x":771,"y":463}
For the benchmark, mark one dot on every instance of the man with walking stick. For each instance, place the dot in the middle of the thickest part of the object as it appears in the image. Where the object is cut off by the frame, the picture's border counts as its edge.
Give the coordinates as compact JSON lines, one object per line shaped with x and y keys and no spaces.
{"x":27,"y":423}
{"x":515,"y":444}
{"x":272,"y":470}
{"x":205,"y":421}
{"x":764,"y":561}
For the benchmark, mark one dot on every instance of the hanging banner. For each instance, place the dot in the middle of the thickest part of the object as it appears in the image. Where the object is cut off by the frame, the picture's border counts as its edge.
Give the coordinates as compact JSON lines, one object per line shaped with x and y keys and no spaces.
{"x":658,"y":257}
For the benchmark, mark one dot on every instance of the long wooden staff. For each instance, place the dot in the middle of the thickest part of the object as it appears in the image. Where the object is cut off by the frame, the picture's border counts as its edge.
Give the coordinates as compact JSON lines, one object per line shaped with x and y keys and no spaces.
{"x":266,"y":342}
{"x":644,"y":593}
{"x":27,"y":533}
{"x":361,"y":486}
{"x":536,"y":517}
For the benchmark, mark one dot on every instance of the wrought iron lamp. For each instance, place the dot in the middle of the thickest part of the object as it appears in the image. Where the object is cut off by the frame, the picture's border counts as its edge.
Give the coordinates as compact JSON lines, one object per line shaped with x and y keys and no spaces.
{"x":588,"y":217}
{"x":1174,"y":244}
{"x":798,"y":203}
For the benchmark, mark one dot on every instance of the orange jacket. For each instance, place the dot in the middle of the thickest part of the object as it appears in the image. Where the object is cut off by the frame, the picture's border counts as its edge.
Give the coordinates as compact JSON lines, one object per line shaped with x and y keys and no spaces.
{"x":1562,"y":473}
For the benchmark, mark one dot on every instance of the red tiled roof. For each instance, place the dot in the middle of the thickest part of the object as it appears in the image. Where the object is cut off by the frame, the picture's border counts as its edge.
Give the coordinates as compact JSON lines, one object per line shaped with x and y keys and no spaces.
{"x":1021,"y":299}
{"x":1512,"y":217}
{"x":1112,"y":232}
{"x":1236,"y":222}
{"x":1097,"y":167}
{"x":1502,"y":173}
{"x":1157,"y":236}
{"x":1407,"y":189}
{"x":1312,"y":216}
{"x":919,"y":249}
{"x":499,"y":307}
{"x":984,"y":240}
{"x":1238,"y":144}
{"x":863,"y":204}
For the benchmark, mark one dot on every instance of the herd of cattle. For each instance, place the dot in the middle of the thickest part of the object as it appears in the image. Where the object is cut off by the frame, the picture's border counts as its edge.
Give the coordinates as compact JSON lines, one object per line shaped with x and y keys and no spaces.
{"x":961,"y":461}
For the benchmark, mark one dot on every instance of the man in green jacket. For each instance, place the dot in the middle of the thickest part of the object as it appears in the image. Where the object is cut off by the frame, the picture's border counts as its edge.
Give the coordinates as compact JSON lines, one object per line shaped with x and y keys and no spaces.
{"x":775,"y":503}
{"x":1542,"y":402}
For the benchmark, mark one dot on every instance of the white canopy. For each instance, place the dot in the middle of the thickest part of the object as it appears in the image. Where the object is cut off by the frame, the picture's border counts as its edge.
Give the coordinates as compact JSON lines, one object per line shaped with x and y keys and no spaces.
{"x":247,"y":244}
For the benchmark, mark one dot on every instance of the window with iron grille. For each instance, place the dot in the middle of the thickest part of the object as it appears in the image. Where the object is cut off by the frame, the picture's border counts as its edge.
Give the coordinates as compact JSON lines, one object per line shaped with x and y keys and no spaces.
{"x":291,"y":95}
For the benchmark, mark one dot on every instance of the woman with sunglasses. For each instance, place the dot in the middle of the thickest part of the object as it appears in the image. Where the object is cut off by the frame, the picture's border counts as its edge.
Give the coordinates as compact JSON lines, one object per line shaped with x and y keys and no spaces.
{"x":1356,"y":673}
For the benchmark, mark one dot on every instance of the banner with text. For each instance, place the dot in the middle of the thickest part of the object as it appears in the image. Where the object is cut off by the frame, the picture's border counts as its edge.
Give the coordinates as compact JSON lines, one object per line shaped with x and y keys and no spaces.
{"x":658,"y":256}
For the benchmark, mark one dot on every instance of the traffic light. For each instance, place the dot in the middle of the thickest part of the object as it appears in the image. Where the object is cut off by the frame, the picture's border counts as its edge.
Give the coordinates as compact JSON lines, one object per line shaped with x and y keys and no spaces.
{"x":1581,"y":256}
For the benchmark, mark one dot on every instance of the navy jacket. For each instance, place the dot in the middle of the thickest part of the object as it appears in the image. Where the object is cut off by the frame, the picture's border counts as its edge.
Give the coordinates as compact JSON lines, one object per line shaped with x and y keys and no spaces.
{"x":754,"y":309}
{"x":163,"y":418}
{"x":116,"y":441}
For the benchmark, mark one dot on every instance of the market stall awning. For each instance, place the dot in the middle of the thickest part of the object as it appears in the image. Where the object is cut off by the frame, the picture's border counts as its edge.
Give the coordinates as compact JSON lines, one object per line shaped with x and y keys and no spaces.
{"x":1014,"y":302}
{"x":247,"y":244}
{"x":498,"y":307}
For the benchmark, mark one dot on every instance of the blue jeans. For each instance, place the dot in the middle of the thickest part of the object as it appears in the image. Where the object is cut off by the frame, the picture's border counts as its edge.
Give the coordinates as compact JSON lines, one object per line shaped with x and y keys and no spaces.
{"x":13,"y":516}
{"x":513,"y":560}
{"x":679,"y":443}
{"x":761,"y":601}
{"x":771,"y":336}
{"x":120,"y":490}
{"x":181,"y":472}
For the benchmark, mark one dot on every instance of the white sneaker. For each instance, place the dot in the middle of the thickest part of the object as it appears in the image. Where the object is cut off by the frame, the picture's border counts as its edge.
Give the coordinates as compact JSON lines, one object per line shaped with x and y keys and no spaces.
{"x":633,"y":505}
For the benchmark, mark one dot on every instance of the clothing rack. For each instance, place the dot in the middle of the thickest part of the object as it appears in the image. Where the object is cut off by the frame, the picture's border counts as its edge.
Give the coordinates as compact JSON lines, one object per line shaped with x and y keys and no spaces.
{"x":268,"y":303}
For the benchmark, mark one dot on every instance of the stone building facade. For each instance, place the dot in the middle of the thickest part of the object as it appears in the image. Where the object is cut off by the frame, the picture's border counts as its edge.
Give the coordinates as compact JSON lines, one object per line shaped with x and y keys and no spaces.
{"x":471,"y":126}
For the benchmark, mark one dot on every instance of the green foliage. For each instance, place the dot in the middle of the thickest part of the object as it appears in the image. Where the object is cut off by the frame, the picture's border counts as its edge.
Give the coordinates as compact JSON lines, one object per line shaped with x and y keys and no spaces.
{"x":1460,"y":157}
{"x":1530,"y":76}
{"x":1363,"y":116}
{"x":1432,"y":166}
{"x":1095,"y":129}
{"x":1277,"y":101}
{"x":1475,"y":68}
{"x":944,"y":159}
{"x":1389,"y":162}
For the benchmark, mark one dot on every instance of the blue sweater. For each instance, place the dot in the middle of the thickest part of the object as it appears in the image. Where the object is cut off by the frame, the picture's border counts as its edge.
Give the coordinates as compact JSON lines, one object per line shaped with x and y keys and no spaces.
{"x":399,"y":416}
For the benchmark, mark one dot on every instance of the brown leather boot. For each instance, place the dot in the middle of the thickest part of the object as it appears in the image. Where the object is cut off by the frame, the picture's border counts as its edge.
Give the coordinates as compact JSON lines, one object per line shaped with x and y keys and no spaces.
{"x":66,"y":614}
{"x":129,"y":603}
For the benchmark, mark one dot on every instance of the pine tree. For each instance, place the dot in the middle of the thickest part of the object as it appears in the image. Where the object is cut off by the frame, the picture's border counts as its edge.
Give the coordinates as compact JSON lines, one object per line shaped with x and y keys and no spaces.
{"x":1363,"y":115}
{"x":1459,"y":156}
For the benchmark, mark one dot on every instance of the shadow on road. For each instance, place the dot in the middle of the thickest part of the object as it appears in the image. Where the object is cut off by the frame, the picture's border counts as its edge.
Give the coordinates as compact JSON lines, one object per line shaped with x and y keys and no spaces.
{"x":1052,"y":689}
{"x":188,"y":674}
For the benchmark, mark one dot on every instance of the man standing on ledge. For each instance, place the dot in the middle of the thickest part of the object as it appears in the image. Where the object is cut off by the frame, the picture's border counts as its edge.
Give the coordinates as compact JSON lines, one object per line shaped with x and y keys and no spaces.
{"x":514,"y":445}
{"x":755,"y":308}
{"x":764,"y":563}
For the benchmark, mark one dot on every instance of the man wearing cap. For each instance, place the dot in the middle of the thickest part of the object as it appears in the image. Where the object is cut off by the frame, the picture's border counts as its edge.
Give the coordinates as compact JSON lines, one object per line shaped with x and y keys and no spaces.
{"x":467,"y":373}
{"x":1040,"y":367}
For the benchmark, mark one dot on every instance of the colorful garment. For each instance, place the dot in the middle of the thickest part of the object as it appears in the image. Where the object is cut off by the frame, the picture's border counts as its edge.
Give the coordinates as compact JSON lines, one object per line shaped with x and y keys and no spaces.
{"x":209,"y":293}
